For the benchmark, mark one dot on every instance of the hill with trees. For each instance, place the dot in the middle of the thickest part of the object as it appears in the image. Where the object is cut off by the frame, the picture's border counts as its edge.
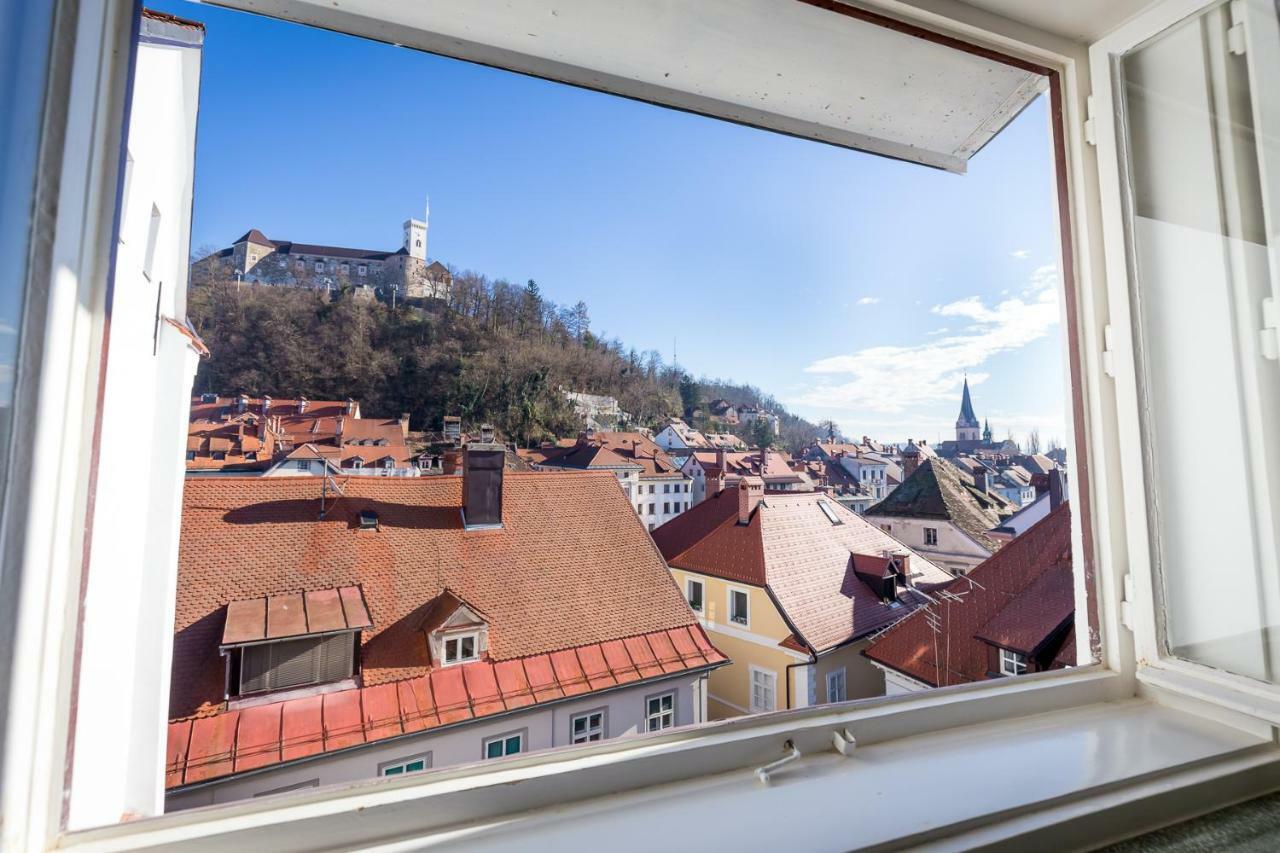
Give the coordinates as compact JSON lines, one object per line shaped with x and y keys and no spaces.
{"x":495,"y":352}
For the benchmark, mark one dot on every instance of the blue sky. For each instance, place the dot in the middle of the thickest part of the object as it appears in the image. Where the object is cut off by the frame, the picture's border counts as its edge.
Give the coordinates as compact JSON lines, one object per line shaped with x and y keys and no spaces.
{"x":847,"y":285}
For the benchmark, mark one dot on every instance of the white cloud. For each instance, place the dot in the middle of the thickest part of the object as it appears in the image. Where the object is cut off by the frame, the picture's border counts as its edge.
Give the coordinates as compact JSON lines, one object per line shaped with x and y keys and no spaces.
{"x":869,"y":300}
{"x":1020,"y":254}
{"x":893,"y":379}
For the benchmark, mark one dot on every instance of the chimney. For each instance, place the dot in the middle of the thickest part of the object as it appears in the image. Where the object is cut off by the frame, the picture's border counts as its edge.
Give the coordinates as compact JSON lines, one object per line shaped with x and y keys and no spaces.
{"x":720,"y":459}
{"x":242,"y":402}
{"x":266,"y":405}
{"x":351,"y":407}
{"x":589,"y":433}
{"x":302,"y":405}
{"x":981,"y":481}
{"x":1057,"y":488}
{"x":715,"y":483}
{"x":404,"y":424}
{"x":338,"y":428}
{"x":451,"y":461}
{"x":750,"y":491}
{"x":482,"y":467}
{"x":910,"y":459}
{"x":486,"y":433}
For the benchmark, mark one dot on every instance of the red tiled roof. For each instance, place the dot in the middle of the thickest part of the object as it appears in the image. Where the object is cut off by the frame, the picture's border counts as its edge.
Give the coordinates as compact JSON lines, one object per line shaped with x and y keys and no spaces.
{"x":566,"y":569}
{"x":1023,"y":590}
{"x":236,"y":741}
{"x":638,"y":448}
{"x":791,"y":546}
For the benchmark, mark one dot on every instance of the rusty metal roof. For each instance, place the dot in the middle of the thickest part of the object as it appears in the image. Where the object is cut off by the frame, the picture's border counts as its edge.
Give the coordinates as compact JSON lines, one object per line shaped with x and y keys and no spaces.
{"x":295,"y":614}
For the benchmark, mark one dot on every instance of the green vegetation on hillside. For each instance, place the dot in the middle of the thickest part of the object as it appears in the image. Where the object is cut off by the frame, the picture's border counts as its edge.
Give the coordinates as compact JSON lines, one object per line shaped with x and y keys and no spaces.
{"x":496,"y":352}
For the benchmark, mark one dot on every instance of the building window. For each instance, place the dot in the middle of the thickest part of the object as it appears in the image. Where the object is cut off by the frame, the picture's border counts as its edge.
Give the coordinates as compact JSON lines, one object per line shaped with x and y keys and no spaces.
{"x":299,"y":263}
{"x":1012,"y":663}
{"x":361,"y":270}
{"x":303,"y":465}
{"x":584,"y":728}
{"x":738,"y":606}
{"x":295,"y":663}
{"x":666,"y":488}
{"x":764,"y":692}
{"x":836,"y":691}
{"x":660,"y":712}
{"x":651,"y":506}
{"x":461,"y":649}
{"x":886,"y":527}
{"x":357,"y":463}
{"x":191,"y":454}
{"x":693,"y":591}
{"x":651,"y":488}
{"x":504,"y":745}
{"x":666,"y":507}
{"x":404,"y":766}
{"x":319,"y":266}
{"x":931,"y":536}
{"x":830,"y":512}
{"x":345,"y":268}
{"x":218,"y":454}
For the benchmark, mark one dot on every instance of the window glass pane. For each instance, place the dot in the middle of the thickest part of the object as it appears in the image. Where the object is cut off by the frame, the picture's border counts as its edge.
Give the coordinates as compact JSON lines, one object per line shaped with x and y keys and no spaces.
{"x":1203,"y":161}
{"x":494,"y":749}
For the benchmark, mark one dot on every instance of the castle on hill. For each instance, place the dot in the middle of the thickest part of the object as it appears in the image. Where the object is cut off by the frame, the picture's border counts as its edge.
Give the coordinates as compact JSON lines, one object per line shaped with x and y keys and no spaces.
{"x":404,"y":272}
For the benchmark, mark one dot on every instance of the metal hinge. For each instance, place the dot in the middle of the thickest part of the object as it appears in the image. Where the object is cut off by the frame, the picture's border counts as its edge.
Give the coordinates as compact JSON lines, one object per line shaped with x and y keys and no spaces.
{"x":1235,"y":33}
{"x":1090,"y":126}
{"x":1270,"y":334}
{"x":1108,"y":353}
{"x":1126,"y":602}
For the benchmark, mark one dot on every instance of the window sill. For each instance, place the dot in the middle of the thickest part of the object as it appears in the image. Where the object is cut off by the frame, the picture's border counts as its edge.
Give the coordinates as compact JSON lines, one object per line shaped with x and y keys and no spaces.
{"x":1061,"y":749}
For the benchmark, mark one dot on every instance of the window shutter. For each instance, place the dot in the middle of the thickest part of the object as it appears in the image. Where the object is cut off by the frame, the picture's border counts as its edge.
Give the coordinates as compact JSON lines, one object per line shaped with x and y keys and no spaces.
{"x":335,"y":656}
{"x":293,"y":663}
{"x":255,"y":666}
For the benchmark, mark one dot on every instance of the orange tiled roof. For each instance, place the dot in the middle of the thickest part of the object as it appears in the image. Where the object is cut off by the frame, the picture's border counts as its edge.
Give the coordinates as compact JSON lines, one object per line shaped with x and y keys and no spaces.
{"x":566,"y":569}
{"x":237,"y":741}
{"x":790,"y":546}
{"x":1018,"y":597}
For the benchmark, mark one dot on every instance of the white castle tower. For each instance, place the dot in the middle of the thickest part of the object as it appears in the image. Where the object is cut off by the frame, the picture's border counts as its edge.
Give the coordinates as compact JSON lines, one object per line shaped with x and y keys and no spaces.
{"x":415,"y":235}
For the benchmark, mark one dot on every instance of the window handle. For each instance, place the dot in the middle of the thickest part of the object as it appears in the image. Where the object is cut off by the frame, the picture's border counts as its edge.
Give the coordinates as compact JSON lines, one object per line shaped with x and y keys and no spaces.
{"x":764,"y":773}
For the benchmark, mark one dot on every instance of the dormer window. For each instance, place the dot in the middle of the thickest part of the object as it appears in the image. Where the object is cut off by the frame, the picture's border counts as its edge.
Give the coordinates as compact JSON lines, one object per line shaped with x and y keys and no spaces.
{"x":462,"y":648}
{"x":456,"y":632}
{"x":368,"y":519}
{"x":1012,"y":663}
{"x":293,"y":640}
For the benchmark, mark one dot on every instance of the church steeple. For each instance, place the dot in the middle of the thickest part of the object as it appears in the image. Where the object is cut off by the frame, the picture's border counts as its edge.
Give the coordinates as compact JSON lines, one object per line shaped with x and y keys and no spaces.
{"x":967,"y":425}
{"x":986,"y":431}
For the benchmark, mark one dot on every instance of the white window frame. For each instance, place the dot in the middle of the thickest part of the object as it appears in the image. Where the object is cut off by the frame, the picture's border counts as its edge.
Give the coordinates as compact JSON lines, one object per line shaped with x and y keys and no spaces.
{"x":601,"y":729}
{"x":53,"y":527}
{"x":458,"y":638}
{"x":832,"y":677}
{"x":728,"y":606}
{"x":689,"y":584}
{"x":521,"y":735}
{"x":754,"y":672}
{"x":930,"y":536}
{"x":662,"y":713}
{"x":403,"y":764}
{"x":1012,"y":663}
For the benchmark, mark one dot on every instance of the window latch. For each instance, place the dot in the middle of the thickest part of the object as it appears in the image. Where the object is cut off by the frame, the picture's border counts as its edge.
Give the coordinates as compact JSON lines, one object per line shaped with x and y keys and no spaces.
{"x":1235,"y":33}
{"x":1090,"y":126}
{"x":1126,"y":602}
{"x":765,"y":773}
{"x":844,"y":742}
{"x":1270,"y":334}
{"x":1108,"y":352}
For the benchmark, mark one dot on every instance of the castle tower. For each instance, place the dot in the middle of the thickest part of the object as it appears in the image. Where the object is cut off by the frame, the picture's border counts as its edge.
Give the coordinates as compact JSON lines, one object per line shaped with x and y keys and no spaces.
{"x":415,"y":235}
{"x":967,"y":425}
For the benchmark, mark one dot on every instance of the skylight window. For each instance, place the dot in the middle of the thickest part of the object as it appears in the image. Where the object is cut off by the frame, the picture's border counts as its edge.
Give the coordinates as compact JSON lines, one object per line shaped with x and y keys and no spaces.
{"x":830,"y":512}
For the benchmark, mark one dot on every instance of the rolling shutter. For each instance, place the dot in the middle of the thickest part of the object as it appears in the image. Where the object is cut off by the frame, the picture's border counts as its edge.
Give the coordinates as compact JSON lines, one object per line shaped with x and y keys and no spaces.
{"x":293,"y":663}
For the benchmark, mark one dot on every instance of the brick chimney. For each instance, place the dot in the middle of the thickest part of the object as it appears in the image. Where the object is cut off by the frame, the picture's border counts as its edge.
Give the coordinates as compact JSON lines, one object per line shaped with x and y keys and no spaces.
{"x":482,"y":467}
{"x":910,"y":459}
{"x":338,"y":428}
{"x":351,"y":408}
{"x":404,"y":424}
{"x":451,"y":461}
{"x":1057,"y":488}
{"x":302,"y":405}
{"x":750,"y":491}
{"x":981,"y":480}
